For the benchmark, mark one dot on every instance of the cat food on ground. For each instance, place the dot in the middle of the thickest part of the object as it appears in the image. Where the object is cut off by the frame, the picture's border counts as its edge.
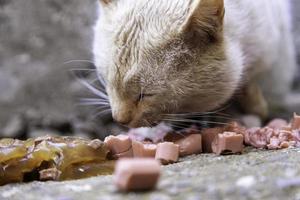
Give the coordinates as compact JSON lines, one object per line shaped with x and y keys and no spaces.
{"x":287,"y":128}
{"x":189,"y":140}
{"x":234,"y":127}
{"x":143,"y":149}
{"x":296,"y":122}
{"x":119,"y":146}
{"x":136,"y":174}
{"x":167,"y":152}
{"x":208,"y":136}
{"x":258,"y":137}
{"x":274,"y":143}
{"x":276,"y":135}
{"x":126,"y":154}
{"x":52,"y":158}
{"x":228,"y":143}
{"x":191,"y":144}
{"x":52,"y":174}
{"x":277,"y":123}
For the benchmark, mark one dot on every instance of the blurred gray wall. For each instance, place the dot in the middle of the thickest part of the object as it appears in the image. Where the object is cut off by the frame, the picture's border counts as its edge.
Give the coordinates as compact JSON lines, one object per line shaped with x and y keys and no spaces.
{"x":36,"y":38}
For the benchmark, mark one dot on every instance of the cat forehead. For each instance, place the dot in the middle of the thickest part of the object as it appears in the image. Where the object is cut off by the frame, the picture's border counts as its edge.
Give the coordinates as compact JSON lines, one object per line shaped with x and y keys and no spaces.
{"x":139,"y":29}
{"x":145,"y":25}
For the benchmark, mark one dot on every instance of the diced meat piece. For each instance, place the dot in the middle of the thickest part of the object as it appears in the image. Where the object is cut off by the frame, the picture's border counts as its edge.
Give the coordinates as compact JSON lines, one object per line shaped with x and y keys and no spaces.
{"x":228,"y":143}
{"x":118,"y":144}
{"x":136,"y":174}
{"x":208,"y":135}
{"x":191,"y":144}
{"x":143,"y":149}
{"x":167,"y":152}
{"x":126,"y":154}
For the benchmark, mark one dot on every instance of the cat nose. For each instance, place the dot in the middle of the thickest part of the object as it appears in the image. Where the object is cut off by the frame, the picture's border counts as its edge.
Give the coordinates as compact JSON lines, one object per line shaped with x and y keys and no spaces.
{"x":125,"y":123}
{"x":124,"y":120}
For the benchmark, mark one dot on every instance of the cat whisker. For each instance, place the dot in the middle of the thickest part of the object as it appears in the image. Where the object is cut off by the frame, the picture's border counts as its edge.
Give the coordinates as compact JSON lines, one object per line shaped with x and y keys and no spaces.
{"x":83,"y":69}
{"x":97,"y":91}
{"x":181,"y":134}
{"x":94,"y":100}
{"x":179,"y":125}
{"x":198,"y":114}
{"x":102,"y":81}
{"x":100,"y":108}
{"x":82,"y":61}
{"x":102,"y":113}
{"x":148,"y":123}
{"x":195,"y":121}
{"x":93,"y":104}
{"x":93,"y":89}
{"x":187,"y":116}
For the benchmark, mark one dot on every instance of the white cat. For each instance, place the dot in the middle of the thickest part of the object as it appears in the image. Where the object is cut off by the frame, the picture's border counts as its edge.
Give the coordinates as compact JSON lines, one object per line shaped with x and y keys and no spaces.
{"x":162,"y":57}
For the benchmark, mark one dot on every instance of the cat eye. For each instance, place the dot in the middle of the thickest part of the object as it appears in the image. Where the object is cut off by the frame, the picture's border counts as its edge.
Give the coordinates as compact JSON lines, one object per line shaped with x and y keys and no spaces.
{"x":143,"y":96}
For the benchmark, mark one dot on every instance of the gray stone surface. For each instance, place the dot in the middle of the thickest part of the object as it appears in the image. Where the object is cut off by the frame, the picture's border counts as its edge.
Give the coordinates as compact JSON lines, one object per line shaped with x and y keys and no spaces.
{"x":39,"y":43}
{"x":37,"y":38}
{"x":257,"y":174}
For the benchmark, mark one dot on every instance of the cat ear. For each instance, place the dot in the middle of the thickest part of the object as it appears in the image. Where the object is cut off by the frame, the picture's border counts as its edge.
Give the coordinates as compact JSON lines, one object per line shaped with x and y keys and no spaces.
{"x":205,"y":16}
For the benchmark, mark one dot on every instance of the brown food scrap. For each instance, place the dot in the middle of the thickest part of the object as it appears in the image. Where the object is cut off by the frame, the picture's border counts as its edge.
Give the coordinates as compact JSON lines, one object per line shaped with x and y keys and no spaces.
{"x":278,"y":124}
{"x":167,"y":152}
{"x":296,"y":122}
{"x":118,"y":144}
{"x":136,"y":174}
{"x":51,"y":174}
{"x":228,"y":143}
{"x":143,"y":149}
{"x":208,"y":136}
{"x":284,"y":145}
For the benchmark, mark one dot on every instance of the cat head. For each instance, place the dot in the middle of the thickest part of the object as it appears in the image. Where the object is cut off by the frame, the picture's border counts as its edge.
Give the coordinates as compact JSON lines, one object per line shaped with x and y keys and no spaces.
{"x":163,"y":56}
